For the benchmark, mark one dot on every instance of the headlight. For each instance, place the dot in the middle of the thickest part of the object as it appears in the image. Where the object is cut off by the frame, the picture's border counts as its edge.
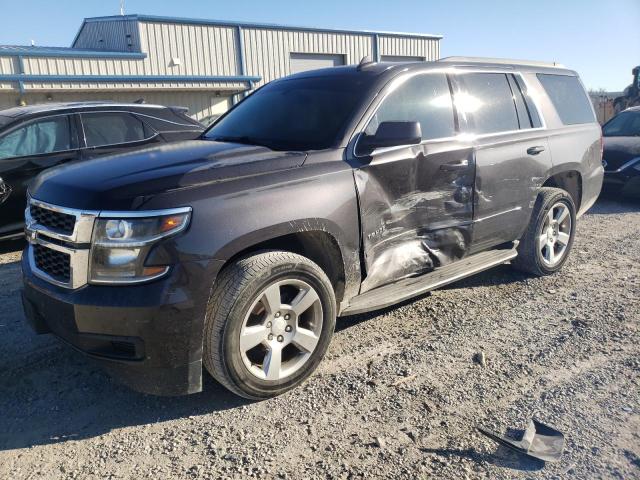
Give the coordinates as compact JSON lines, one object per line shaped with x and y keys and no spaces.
{"x":120,"y":245}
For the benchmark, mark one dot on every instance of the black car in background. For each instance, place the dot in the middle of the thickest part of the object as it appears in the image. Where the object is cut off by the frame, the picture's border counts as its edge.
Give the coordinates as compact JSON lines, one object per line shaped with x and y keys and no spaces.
{"x":621,"y":157}
{"x":34,"y":138}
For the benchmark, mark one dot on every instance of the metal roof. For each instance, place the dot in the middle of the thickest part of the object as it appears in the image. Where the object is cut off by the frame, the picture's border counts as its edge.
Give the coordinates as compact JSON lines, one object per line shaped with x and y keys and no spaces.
{"x":230,"y":23}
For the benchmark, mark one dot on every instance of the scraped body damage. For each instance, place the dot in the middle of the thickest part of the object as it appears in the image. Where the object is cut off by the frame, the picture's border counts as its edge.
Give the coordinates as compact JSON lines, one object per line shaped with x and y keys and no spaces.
{"x":416,"y":207}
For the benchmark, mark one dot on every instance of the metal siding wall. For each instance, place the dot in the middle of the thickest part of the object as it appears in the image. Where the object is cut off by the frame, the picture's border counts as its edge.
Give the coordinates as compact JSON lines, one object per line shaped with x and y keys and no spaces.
{"x":267,"y":51}
{"x":202,"y":49}
{"x":8,"y":65}
{"x":82,"y":66}
{"x":410,"y":46}
{"x":112,"y":33}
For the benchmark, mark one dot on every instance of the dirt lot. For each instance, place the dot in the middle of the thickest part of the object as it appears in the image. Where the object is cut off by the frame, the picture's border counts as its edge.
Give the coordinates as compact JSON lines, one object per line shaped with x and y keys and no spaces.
{"x":399,"y":395}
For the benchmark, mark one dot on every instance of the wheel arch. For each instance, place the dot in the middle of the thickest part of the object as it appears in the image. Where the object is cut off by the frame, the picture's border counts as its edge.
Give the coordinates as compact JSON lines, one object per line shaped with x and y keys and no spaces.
{"x":569,"y":181}
{"x":316,"y":239}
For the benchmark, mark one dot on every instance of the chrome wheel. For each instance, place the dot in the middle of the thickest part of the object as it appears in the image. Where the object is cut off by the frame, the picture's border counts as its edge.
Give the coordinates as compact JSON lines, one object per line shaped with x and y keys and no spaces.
{"x":553,"y":239}
{"x":281,"y":329}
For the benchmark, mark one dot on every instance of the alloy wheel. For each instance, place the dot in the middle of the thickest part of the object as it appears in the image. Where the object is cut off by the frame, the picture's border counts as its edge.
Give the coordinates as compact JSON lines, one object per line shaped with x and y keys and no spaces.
{"x":281,"y":329}
{"x":554,"y":237}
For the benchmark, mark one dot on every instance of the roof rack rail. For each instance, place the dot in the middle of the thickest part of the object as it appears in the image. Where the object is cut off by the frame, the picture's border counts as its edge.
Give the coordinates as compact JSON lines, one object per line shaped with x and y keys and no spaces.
{"x":507,"y":61}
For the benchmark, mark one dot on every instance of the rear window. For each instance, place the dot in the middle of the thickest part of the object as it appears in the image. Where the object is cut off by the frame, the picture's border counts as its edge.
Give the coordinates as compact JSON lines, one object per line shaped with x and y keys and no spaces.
{"x":568,"y":97}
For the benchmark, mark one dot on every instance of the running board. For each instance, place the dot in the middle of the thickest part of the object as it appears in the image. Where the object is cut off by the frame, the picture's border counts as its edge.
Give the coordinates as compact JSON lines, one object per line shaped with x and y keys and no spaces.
{"x":412,"y":287}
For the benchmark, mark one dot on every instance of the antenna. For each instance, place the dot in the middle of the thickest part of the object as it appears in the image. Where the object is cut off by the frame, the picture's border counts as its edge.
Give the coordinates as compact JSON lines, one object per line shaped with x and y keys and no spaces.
{"x":365,"y":61}
{"x":122,"y":7}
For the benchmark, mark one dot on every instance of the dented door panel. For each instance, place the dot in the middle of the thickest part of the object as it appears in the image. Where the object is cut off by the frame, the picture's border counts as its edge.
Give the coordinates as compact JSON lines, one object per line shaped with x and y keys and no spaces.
{"x":416,"y":207}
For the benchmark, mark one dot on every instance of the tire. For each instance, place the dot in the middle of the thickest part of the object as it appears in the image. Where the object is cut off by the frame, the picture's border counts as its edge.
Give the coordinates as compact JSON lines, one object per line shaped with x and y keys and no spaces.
{"x":535,"y":258}
{"x":243,"y":303}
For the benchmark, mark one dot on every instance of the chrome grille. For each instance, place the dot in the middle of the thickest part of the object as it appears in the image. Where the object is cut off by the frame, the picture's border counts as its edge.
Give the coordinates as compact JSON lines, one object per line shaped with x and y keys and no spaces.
{"x":59,"y":240}
{"x":59,"y":221}
{"x":52,"y":262}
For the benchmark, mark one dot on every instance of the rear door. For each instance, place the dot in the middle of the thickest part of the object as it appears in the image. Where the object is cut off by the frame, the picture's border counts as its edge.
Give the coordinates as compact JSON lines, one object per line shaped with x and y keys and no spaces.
{"x":107,"y":133}
{"x":416,"y":202}
{"x":26,"y":150}
{"x":511,"y":153}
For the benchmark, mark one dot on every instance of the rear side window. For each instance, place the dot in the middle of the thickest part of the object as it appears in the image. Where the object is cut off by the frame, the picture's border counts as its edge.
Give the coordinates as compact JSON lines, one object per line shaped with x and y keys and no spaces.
{"x":111,"y":128}
{"x":487,"y":103}
{"x":568,"y":97}
{"x":422,"y":98}
{"x":37,"y":138}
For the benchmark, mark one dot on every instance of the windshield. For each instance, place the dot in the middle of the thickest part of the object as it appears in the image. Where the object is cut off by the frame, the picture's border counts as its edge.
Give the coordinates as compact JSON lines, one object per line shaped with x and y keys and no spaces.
{"x":296,"y":114}
{"x":625,"y":124}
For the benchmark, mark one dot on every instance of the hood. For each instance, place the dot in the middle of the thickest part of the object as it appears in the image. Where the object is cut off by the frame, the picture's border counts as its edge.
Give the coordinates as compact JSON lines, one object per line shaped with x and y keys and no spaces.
{"x":117,"y":181}
{"x":619,"y":150}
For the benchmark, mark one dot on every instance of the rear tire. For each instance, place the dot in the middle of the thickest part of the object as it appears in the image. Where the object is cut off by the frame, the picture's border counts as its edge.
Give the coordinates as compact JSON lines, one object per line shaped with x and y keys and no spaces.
{"x":281,"y":302}
{"x":546,"y":243}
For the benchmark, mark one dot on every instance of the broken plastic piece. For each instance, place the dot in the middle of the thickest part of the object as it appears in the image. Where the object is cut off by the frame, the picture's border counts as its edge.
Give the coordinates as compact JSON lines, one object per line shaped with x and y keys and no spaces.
{"x":539,"y":441}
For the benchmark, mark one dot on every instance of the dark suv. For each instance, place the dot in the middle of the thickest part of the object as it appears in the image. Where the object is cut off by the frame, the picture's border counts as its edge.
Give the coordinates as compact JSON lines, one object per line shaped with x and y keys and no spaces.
{"x":326,"y":193}
{"x":36,"y":137}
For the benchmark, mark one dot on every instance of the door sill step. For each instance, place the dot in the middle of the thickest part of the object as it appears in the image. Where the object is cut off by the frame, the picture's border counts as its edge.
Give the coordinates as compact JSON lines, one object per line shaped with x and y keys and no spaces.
{"x":407,"y":288}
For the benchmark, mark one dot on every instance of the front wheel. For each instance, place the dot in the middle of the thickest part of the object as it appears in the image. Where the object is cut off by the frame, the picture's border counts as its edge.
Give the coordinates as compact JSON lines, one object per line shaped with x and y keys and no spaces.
{"x":546,"y":243}
{"x":269,"y":322}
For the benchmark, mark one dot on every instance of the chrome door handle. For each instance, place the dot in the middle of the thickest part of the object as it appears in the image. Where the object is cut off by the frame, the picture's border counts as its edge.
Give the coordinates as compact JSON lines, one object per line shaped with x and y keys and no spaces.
{"x":452,"y":167}
{"x":535,"y":150}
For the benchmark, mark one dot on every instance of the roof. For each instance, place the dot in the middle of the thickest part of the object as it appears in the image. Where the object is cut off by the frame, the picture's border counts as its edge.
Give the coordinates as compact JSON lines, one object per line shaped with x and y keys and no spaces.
{"x":230,"y":23}
{"x":16,"y":112}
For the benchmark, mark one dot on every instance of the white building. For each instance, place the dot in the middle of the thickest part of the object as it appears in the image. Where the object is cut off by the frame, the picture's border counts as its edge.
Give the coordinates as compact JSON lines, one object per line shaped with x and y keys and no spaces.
{"x":200,"y":64}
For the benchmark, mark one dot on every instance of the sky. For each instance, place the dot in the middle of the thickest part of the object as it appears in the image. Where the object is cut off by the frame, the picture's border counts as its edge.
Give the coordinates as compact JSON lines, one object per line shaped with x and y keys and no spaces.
{"x":599,"y":39}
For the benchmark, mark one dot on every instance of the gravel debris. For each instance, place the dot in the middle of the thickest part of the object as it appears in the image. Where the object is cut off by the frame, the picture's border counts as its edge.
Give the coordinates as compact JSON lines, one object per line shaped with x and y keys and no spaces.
{"x":564,"y":349}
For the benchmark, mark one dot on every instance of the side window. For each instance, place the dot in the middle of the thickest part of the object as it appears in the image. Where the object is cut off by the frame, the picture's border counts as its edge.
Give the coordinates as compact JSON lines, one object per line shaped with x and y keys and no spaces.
{"x":36,"y":138}
{"x":423,"y":98}
{"x":112,"y":128}
{"x":487,"y":102}
{"x":568,"y":97}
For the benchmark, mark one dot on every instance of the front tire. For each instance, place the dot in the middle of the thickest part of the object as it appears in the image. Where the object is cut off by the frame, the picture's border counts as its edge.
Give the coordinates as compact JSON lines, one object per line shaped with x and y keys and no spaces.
{"x":269,"y":322}
{"x":546,"y":243}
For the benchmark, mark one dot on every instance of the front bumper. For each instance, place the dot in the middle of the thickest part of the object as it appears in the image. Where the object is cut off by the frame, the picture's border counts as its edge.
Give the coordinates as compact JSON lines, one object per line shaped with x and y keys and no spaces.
{"x":148,"y":336}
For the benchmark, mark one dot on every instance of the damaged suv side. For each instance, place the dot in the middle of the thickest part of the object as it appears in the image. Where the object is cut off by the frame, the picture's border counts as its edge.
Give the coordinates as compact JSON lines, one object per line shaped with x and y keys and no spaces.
{"x":327,"y":193}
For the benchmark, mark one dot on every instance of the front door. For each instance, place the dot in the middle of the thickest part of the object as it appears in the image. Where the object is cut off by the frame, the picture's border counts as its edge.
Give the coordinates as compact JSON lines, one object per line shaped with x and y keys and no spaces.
{"x":25,"y":151}
{"x":416,"y":202}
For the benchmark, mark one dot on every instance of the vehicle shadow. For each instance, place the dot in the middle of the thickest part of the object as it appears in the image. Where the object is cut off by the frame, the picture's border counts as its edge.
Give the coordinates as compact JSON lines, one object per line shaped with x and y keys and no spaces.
{"x":612,"y":203}
{"x":50,"y":393}
{"x":8,"y":246}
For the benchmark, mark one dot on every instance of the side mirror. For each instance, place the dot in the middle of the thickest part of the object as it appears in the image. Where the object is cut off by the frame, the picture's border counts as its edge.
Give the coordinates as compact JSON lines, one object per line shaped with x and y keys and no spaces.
{"x":393,"y":134}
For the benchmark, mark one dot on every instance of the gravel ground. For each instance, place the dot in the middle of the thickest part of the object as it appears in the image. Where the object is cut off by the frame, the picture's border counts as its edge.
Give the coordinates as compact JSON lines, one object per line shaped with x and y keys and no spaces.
{"x":398,"y":396}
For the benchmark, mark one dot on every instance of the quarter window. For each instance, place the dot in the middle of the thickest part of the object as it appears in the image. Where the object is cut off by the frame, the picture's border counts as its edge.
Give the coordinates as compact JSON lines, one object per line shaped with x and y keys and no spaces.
{"x":487,"y":103}
{"x":37,"y":138}
{"x":422,"y":98}
{"x":568,"y":97}
{"x":102,"y":129}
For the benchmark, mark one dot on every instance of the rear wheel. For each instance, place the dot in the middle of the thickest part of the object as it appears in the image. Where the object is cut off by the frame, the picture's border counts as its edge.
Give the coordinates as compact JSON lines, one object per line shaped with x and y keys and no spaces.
{"x":546,"y":244}
{"x":270,"y":320}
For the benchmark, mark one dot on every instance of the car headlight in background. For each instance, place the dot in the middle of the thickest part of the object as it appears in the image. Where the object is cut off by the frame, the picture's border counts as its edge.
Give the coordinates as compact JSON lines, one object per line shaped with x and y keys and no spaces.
{"x":120,"y":245}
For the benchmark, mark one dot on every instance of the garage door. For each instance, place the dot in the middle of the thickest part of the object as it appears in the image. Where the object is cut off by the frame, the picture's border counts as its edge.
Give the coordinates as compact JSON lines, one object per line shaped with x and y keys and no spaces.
{"x":400,"y":59}
{"x":301,"y":62}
